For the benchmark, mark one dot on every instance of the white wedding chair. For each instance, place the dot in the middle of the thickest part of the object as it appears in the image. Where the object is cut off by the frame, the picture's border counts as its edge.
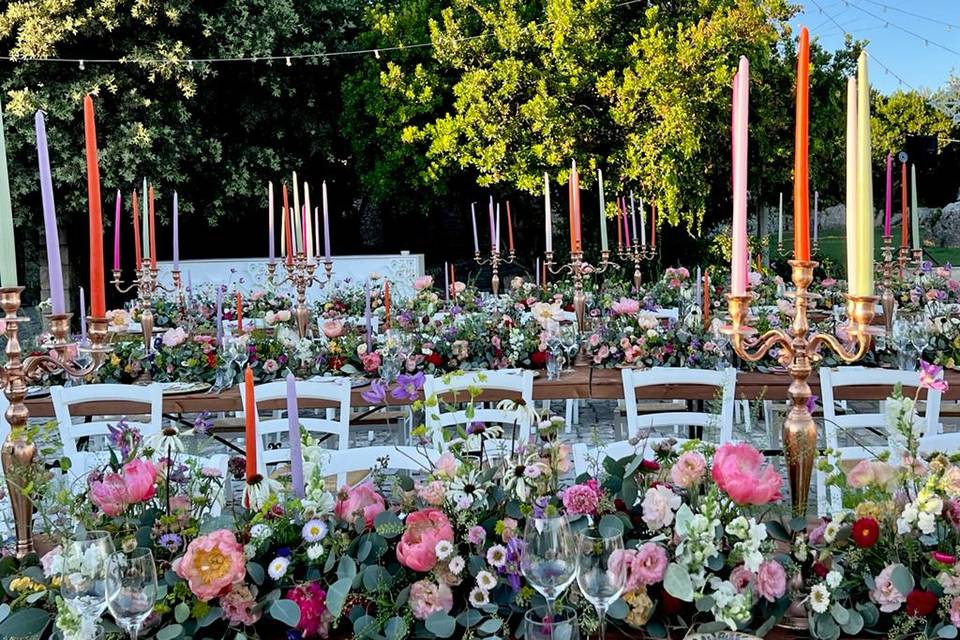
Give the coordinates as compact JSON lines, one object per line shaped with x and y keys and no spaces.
{"x":641,"y":425}
{"x":95,"y":430}
{"x":453,"y":388}
{"x":273,"y":446}
{"x":355,"y":464}
{"x":871,"y":426}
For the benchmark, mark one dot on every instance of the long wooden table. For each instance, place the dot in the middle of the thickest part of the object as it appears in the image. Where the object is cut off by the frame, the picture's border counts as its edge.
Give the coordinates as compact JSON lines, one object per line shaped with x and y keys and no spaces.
{"x":580,"y":382}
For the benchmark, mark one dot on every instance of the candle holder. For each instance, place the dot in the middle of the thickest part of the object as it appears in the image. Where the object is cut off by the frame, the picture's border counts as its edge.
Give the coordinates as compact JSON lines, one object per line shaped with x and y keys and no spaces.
{"x":18,"y":454}
{"x":799,"y":349}
{"x":495,"y":261}
{"x":301,"y":273}
{"x":917,"y":259}
{"x":579,"y":271}
{"x":636,"y":254}
{"x":887,"y":299}
{"x":147,"y":284}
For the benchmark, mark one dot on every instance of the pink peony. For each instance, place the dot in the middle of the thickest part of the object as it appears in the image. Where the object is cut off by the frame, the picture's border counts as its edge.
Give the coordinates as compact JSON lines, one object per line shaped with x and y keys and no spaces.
{"x":140,"y":478}
{"x":314,"y":618}
{"x":741,"y":577}
{"x":110,"y":494}
{"x":239,"y":606}
{"x":739,"y":472}
{"x":332,"y":328}
{"x":423,"y":282}
{"x":688,"y":470}
{"x":771,"y":580}
{"x":580,"y":500}
{"x":427,"y":598}
{"x":625,"y":306}
{"x":886,"y":595}
{"x":361,"y":500}
{"x":649,"y":565}
{"x":417,"y":547}
{"x":870,"y":473}
{"x":212,"y":564}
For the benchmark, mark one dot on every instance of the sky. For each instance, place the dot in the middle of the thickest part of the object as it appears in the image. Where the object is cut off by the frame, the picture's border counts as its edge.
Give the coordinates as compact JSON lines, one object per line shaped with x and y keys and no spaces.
{"x":917,"y":40}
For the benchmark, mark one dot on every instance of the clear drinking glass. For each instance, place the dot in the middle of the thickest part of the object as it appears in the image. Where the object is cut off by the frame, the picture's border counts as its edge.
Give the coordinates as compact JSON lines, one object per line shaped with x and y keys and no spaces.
{"x":549,"y":557}
{"x":131,"y":588}
{"x":83,"y":583}
{"x":561,"y":624}
{"x":603,"y":571}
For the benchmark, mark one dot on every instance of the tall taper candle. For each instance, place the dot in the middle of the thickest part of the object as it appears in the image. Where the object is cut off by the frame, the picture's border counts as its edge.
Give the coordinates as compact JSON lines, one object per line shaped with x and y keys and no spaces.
{"x":145,"y":222}
{"x":473,"y":219}
{"x":136,"y":231}
{"x":51,"y":235}
{"x":738,"y":262}
{"x":297,"y":233}
{"x":296,"y":453}
{"x":496,"y":234}
{"x":368,"y":316}
{"x":904,"y":216}
{"x":153,"y":230}
{"x":308,"y":216}
{"x":8,"y":246}
{"x":82,"y":312}
{"x":780,"y":222}
{"x":272,"y":251}
{"x":888,"y":206}
{"x":643,"y":226}
{"x":493,"y":229}
{"x":633,"y":217}
{"x":219,"y":315}
{"x":626,"y":225}
{"x":446,"y":281}
{"x":864,"y":283}
{"x":326,"y":223}
{"x":239,"y":313}
{"x":98,"y":296}
{"x":288,"y":247}
{"x":250,"y":430}
{"x":816,"y":216}
{"x":509,"y":228}
{"x":116,"y":235}
{"x":801,"y":161}
{"x":914,"y":207}
{"x":603,"y":214}
{"x":547,"y":219}
{"x":176,"y":232}
{"x":851,"y":201}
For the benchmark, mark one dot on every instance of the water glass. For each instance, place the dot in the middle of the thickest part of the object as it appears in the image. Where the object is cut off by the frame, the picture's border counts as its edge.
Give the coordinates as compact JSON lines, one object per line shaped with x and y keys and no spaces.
{"x":554,"y":366}
{"x":549,"y":557}
{"x":82,"y":582}
{"x":602,"y":576}
{"x":541,"y":624}
{"x":131,"y":588}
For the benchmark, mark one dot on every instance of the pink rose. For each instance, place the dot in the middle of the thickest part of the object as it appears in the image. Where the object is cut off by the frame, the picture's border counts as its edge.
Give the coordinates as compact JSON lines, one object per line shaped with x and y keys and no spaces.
{"x":423,"y":282}
{"x":140,"y":478}
{"x":174,"y":337}
{"x":361,"y":500}
{"x":771,"y":580}
{"x":212,"y":564}
{"x":870,"y":472}
{"x":625,"y":306}
{"x":649,"y":565}
{"x":885,"y":595}
{"x":371,"y":362}
{"x":659,"y":503}
{"x":688,"y":470}
{"x":417,"y":547}
{"x":427,"y":598}
{"x":332,"y":328}
{"x":739,"y":471}
{"x":741,"y":577}
{"x":110,"y":494}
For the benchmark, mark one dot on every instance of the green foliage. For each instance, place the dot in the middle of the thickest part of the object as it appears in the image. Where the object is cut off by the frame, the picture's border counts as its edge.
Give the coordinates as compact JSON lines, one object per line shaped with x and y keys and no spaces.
{"x":904,"y":113}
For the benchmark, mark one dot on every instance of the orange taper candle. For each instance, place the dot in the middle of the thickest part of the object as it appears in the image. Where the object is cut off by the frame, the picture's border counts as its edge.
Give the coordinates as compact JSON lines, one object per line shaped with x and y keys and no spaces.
{"x":153,"y":231}
{"x":509,"y":228}
{"x":136,"y":230}
{"x":98,"y":304}
{"x":386,"y":305}
{"x":903,"y":198}
{"x":801,"y":161}
{"x":250,"y":416}
{"x":239,"y":313}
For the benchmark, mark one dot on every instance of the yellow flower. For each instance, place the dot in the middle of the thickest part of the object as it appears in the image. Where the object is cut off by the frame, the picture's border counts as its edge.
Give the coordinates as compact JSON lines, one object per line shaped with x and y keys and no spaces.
{"x":869,"y":509}
{"x":641,"y":608}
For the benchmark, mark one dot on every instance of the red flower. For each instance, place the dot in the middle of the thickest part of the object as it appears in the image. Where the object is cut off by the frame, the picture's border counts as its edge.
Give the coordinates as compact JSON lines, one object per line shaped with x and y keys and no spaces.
{"x":434,"y":358}
{"x":670,"y":604}
{"x":212,"y":359}
{"x":943,"y":558}
{"x":538,"y":358}
{"x":865,"y":532}
{"x":921,"y":603}
{"x":821,"y":569}
{"x":650,"y":465}
{"x":336,"y":363}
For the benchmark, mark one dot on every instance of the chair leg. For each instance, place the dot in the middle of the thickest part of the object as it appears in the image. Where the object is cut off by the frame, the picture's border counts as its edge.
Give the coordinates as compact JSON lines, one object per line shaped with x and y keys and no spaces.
{"x":570,"y":415}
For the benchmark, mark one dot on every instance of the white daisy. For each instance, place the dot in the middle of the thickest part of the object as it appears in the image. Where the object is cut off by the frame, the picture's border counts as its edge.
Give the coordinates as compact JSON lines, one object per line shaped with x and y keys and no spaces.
{"x":314,"y":531}
{"x":166,"y":441}
{"x":315,"y":552}
{"x":257,"y":491}
{"x":819,"y":598}
{"x":486,"y":580}
{"x":456,"y":565}
{"x":467,"y":489}
{"x":833,"y":579}
{"x":278,"y":567}
{"x":479,"y":598}
{"x":497,"y":556}
{"x":261,"y":531}
{"x":444,"y":549}
{"x":830,"y":532}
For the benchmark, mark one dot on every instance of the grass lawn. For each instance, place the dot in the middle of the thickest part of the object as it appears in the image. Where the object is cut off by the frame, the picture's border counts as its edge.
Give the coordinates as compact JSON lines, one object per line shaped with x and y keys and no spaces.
{"x":833,"y":244}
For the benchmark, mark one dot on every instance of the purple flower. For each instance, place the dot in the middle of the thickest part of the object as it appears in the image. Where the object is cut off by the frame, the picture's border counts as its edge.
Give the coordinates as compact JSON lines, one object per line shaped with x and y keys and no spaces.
{"x":171,"y":542}
{"x":408,"y":386}
{"x":124,"y":437}
{"x":926,"y":266}
{"x":456,"y":310}
{"x":202,"y":424}
{"x":812,"y":403}
{"x":931,"y":377}
{"x":376,"y":394}
{"x":476,"y":427}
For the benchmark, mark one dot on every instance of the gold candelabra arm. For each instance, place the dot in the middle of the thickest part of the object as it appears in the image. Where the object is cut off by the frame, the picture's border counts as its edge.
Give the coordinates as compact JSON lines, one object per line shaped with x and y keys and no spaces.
{"x":751,"y":349}
{"x":117,"y":282}
{"x":556,"y":270}
{"x":860,"y":311}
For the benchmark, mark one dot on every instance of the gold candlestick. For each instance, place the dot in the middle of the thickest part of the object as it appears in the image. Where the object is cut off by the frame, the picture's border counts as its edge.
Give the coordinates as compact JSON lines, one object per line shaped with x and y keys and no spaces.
{"x":637,"y":254}
{"x":495,"y":261}
{"x":302,"y":273}
{"x":147,"y":284}
{"x":18,"y":454}
{"x":799,"y":349}
{"x":887,"y":300}
{"x":579,"y":270}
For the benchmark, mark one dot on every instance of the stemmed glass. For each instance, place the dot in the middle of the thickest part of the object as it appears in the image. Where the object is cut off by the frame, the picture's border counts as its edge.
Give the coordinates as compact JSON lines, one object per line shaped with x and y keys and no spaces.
{"x":131,"y":588}
{"x":570,"y":340}
{"x":603,"y":571}
{"x":540,"y":624}
{"x":83,"y":580}
{"x":549,"y":557}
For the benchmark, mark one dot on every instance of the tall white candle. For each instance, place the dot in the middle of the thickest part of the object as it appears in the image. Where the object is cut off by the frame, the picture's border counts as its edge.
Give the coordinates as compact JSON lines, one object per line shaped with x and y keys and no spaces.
{"x":548,"y":222}
{"x":816,"y":216}
{"x":496,"y":244}
{"x":643,"y":227}
{"x":326,"y":223}
{"x":309,"y":217}
{"x":780,"y":223}
{"x":633,"y":215}
{"x":473,"y":218}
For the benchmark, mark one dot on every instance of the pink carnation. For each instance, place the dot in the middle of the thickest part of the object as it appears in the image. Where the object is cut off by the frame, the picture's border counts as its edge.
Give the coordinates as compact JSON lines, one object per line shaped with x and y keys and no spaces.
{"x":424,"y":529}
{"x":238,"y":606}
{"x":741,"y":577}
{"x":580,"y":500}
{"x":955,"y":611}
{"x":427,"y":598}
{"x":739,"y":471}
{"x":771,"y":580}
{"x":423,"y":282}
{"x":432,"y":493}
{"x":314,"y":618}
{"x":212,"y":564}
{"x":688,"y":470}
{"x":649,"y":565}
{"x":361,"y":500}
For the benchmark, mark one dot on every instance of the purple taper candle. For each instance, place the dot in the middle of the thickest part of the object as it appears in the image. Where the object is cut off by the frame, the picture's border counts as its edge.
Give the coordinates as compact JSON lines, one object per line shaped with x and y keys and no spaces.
{"x":219,"y":315}
{"x":51,"y":236}
{"x":493,"y":229}
{"x":176,"y":233}
{"x":886,"y":215}
{"x":473,"y":217}
{"x":83,"y":316}
{"x":189,"y":290}
{"x":293,"y":421}
{"x":368,"y":318}
{"x":326,"y":223}
{"x":116,"y":235}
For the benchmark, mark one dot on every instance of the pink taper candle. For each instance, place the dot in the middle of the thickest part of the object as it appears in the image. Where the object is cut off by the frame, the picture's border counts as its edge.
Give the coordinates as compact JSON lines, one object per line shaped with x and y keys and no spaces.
{"x":886,"y":215}
{"x":116,"y":235}
{"x":738,"y":262}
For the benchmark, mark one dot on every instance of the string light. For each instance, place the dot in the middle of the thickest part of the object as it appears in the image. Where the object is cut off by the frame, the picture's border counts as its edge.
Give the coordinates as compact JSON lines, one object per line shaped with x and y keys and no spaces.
{"x":926,"y":41}
{"x":289,"y":64}
{"x":81,"y":66}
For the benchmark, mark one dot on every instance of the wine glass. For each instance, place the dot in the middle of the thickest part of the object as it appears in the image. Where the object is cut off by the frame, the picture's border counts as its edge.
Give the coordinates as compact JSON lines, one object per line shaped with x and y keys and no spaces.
{"x":83,"y":580}
{"x":570,"y":340}
{"x":603,"y":571}
{"x":549,"y":557}
{"x":131,"y":588}
{"x":540,"y":624}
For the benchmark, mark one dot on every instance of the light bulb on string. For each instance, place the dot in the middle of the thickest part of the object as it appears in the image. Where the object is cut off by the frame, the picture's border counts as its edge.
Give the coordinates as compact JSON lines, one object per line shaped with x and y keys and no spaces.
{"x":82,"y":67}
{"x":376,"y":53}
{"x":289,"y":64}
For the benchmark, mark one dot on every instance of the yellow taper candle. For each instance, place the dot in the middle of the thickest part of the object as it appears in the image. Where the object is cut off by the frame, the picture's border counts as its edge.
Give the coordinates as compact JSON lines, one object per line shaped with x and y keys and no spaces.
{"x":851,"y":204}
{"x":864,"y":282}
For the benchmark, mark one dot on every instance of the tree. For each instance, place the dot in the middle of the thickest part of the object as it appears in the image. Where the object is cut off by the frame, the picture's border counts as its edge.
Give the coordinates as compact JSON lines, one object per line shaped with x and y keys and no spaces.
{"x":902,"y":114}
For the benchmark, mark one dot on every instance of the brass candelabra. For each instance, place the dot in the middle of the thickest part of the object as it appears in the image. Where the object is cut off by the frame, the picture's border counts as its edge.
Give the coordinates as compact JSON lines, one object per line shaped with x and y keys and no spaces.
{"x":636,"y":254}
{"x":301,"y":273}
{"x":887,"y":299}
{"x":18,"y":454}
{"x":799,"y":349}
{"x":147,"y":283}
{"x":579,"y":270}
{"x":495,"y":260}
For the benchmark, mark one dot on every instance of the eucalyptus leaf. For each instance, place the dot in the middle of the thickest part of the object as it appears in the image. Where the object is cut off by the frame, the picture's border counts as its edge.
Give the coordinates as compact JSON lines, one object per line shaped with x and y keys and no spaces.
{"x":170,"y":632}
{"x":489,"y":626}
{"x":777,"y":531}
{"x":610,"y":526}
{"x":285,"y":611}
{"x":395,"y":629}
{"x":256,"y":572}
{"x":469,"y":618}
{"x":337,"y":595}
{"x":181,"y":612}
{"x":705,"y":603}
{"x":24,"y":623}
{"x":947,"y":631}
{"x":677,"y":582}
{"x":618,"y":610}
{"x":839,"y":613}
{"x":854,"y":624}
{"x":902,"y":579}
{"x":441,"y":624}
{"x":870,"y":613}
